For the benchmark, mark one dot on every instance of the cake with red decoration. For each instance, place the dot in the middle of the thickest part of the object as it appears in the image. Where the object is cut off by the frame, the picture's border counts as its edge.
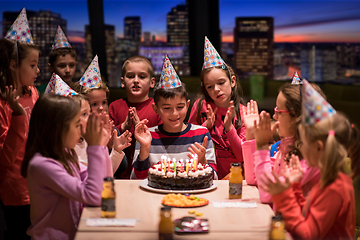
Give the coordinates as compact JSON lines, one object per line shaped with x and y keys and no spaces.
{"x":180,"y":175}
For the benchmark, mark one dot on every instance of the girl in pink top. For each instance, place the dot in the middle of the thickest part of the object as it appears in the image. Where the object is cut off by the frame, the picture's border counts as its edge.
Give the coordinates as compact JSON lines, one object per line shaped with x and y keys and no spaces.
{"x":219,"y":109}
{"x":256,"y":152}
{"x":18,"y":71}
{"x":328,"y":212}
{"x":58,"y":184}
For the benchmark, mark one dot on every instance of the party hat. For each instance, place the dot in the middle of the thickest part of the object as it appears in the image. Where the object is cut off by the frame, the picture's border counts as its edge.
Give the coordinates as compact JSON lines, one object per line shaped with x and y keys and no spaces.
{"x":51,"y":85}
{"x":296,"y":79}
{"x":211,"y":56}
{"x":314,"y":107}
{"x":59,"y":87}
{"x":91,"y":77}
{"x":19,"y":30}
{"x":169,"y":77}
{"x":60,"y":40}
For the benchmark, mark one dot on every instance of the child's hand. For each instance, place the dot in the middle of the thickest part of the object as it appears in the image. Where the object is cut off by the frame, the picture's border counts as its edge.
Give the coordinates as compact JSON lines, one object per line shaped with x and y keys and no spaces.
{"x":134,"y":117}
{"x":121,"y":142}
{"x":200,"y":150}
{"x":94,"y":130}
{"x":294,"y":170}
{"x":13,"y":101}
{"x":228,"y":125}
{"x":274,"y":187}
{"x":111,"y":140}
{"x":251,"y":115}
{"x":108,"y":128}
{"x":142,"y":133}
{"x":262,"y":131}
{"x":127,"y":124}
{"x":210,"y":117}
{"x":143,"y":136}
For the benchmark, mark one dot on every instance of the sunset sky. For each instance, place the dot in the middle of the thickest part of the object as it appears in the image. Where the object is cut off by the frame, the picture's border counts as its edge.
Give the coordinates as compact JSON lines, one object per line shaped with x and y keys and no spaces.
{"x":295,"y":21}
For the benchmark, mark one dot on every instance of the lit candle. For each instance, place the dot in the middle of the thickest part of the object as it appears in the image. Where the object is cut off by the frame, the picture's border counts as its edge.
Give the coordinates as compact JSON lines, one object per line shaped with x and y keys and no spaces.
{"x":187,"y":168}
{"x":165,"y":166}
{"x":195,"y":161}
{"x":175,"y":168}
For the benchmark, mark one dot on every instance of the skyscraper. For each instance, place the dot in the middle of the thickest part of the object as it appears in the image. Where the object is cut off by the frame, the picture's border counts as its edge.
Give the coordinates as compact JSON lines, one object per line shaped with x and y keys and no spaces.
{"x":318,"y":63}
{"x":177,"y":28}
{"x":147,"y":38}
{"x":43,"y":26}
{"x":132,"y":29}
{"x":254,"y":46}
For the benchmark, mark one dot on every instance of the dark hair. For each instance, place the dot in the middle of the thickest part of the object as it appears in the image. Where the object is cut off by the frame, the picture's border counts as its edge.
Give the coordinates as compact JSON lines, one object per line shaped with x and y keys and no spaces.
{"x":54,"y":54}
{"x":167,"y":93}
{"x":292,"y":95}
{"x":49,"y":122}
{"x":236,"y":92}
{"x":137,"y":58}
{"x":12,"y":50}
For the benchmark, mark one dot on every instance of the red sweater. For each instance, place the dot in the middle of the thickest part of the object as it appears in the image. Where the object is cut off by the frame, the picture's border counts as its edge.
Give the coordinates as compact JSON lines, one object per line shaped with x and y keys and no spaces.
{"x":119,"y":110}
{"x":13,"y":135}
{"x":327,"y":213}
{"x":228,"y":147}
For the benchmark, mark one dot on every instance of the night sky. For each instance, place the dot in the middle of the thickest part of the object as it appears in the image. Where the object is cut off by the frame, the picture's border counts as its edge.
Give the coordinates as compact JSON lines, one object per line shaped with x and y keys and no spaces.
{"x":295,"y":21}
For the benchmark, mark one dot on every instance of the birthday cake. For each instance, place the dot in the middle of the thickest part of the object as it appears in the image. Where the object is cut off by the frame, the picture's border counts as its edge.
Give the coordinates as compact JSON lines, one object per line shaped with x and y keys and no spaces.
{"x":179,"y":175}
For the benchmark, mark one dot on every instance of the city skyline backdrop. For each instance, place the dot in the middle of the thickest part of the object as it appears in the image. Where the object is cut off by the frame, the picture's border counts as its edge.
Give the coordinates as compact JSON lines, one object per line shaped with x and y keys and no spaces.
{"x":294,"y":21}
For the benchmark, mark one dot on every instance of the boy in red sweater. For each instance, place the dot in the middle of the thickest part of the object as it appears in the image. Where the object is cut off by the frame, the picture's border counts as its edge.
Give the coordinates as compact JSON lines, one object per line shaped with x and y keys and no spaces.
{"x":137,"y":79}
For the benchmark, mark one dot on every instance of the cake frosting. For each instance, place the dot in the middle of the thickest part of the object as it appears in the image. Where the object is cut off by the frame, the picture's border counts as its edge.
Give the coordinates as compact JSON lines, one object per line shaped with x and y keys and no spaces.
{"x":180,"y":175}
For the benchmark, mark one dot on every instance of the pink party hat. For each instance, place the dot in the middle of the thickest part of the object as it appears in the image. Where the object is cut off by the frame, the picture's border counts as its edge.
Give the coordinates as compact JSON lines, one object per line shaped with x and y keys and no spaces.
{"x":314,"y":107}
{"x":60,"y":40}
{"x":59,"y":87}
{"x":211,"y":56}
{"x":296,"y":79}
{"x":51,"y":85}
{"x":62,"y":89}
{"x":92,"y":76}
{"x":169,"y":77}
{"x":19,"y":30}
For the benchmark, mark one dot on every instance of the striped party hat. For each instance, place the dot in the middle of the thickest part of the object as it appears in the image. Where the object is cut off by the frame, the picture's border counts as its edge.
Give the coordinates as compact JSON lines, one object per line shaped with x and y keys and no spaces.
{"x":314,"y":107}
{"x":19,"y":30}
{"x":169,"y":77}
{"x":60,"y":40}
{"x":211,"y":56}
{"x":92,"y":76}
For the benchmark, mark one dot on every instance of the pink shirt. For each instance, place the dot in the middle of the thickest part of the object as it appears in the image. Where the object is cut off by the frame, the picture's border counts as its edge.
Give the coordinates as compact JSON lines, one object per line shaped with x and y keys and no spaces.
{"x":258,"y":163}
{"x":13,"y":136}
{"x":227,"y":144}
